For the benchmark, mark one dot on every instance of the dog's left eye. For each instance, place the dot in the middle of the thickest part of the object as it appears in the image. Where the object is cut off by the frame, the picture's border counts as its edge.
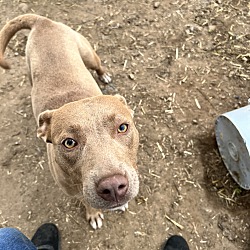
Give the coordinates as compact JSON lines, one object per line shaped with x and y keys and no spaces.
{"x":69,"y":143}
{"x":123,"y":128}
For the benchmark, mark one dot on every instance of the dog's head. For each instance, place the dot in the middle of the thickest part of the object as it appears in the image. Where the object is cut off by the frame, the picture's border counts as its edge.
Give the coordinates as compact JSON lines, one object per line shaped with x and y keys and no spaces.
{"x":95,"y":143}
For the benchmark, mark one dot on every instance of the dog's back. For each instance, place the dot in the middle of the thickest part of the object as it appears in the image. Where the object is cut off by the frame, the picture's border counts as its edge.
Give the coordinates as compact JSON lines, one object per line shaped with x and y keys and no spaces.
{"x":55,"y":64}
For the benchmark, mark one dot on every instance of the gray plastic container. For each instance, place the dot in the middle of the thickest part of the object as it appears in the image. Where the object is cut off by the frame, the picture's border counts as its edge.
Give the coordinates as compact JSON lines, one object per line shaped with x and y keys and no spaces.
{"x":232,"y":131}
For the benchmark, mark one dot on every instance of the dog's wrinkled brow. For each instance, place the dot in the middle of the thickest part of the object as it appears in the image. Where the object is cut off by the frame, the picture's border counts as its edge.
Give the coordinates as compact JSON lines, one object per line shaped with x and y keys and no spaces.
{"x":73,"y":129}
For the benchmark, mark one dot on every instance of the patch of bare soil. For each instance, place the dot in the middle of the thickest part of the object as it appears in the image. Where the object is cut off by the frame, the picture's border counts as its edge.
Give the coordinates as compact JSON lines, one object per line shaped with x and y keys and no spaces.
{"x":180,"y":64}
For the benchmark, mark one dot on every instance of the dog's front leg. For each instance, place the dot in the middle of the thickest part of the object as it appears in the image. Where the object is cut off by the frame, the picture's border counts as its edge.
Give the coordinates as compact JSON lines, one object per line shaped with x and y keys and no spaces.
{"x":94,"y":216}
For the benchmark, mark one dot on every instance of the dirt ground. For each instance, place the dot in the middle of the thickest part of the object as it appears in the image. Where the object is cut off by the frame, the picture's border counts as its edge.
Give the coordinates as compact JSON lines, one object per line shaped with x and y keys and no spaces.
{"x":180,"y":64}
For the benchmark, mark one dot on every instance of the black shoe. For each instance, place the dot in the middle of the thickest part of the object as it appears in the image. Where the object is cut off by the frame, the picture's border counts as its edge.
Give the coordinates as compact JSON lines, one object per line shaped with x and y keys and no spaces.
{"x":176,"y":242}
{"x":46,"y":237}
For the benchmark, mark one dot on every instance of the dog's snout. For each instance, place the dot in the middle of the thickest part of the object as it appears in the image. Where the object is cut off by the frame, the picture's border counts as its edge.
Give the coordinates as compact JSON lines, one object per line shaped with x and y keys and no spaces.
{"x":113,"y":188}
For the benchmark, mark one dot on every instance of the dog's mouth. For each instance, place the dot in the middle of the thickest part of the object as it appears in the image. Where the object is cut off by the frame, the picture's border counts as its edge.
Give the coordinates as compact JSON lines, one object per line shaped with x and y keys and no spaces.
{"x":119,"y":207}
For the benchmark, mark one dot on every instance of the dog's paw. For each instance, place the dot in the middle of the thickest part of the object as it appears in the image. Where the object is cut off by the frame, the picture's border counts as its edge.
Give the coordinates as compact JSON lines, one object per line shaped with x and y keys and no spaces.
{"x":122,"y":208}
{"x":94,"y":217}
{"x":105,"y":78}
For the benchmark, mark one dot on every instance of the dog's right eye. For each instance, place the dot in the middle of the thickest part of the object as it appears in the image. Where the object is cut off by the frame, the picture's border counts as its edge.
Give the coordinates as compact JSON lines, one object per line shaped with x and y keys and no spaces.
{"x":69,"y":143}
{"x":122,"y":128}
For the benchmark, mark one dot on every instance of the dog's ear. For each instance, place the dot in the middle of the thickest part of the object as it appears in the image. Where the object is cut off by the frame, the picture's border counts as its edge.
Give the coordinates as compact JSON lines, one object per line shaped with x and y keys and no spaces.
{"x":123,"y":100}
{"x":44,"y":125}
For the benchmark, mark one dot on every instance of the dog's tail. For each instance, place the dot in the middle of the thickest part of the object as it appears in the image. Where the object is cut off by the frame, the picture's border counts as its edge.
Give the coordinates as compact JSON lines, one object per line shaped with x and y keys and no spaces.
{"x":10,"y":29}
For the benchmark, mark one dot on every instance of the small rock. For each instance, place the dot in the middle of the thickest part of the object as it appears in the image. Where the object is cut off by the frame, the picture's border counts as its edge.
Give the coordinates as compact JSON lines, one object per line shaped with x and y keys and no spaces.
{"x":211,"y":28}
{"x":195,"y":122}
{"x":131,"y":76}
{"x":156,"y":5}
{"x":23,"y":7}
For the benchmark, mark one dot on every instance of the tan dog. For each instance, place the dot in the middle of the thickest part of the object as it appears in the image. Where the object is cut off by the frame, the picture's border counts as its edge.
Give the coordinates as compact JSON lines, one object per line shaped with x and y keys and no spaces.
{"x":91,"y":138}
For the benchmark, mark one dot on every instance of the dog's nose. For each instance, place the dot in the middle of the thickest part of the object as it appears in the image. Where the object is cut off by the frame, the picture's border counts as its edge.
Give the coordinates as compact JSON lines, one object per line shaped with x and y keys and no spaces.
{"x":113,"y":188}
